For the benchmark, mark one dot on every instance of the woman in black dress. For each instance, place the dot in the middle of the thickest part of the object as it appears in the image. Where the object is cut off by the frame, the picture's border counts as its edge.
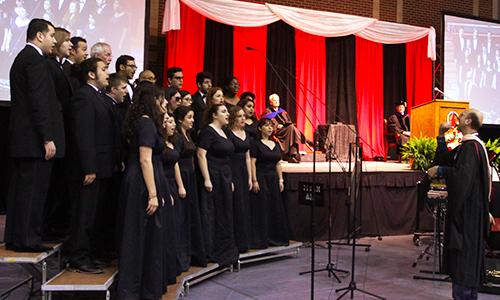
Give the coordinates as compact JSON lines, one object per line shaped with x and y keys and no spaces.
{"x":269,"y":218}
{"x":143,"y":192}
{"x":173,"y":263}
{"x":242,"y":177}
{"x":247,"y":102}
{"x":188,"y":210}
{"x":214,"y":150}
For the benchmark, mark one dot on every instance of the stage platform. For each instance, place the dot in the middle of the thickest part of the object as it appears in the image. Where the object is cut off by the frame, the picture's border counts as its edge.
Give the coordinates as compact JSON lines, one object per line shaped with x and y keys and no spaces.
{"x":323,"y":166}
{"x":388,"y":203}
{"x":28,"y":260}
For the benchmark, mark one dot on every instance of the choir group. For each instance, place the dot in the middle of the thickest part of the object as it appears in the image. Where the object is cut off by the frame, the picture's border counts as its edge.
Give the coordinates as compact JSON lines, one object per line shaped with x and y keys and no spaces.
{"x":158,"y":178}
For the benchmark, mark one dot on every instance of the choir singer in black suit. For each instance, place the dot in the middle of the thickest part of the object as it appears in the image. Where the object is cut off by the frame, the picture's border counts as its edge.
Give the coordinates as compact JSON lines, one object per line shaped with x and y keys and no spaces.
{"x":92,"y":159}
{"x":36,"y":132}
{"x":204,"y":83}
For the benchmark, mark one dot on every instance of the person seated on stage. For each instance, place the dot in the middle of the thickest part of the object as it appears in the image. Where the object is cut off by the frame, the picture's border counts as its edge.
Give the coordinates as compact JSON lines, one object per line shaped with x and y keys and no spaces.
{"x":399,"y":123}
{"x":231,"y":88}
{"x":247,"y":102}
{"x":285,"y":131}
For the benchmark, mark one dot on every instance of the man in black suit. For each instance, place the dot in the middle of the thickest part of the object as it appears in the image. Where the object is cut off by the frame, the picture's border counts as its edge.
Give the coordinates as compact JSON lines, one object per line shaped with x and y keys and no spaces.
{"x":204,"y":83}
{"x":77,"y":54}
{"x":92,"y":161}
{"x":36,"y":134}
{"x":114,"y":94}
{"x":56,"y":212}
{"x":175,"y":77}
{"x":125,"y":66}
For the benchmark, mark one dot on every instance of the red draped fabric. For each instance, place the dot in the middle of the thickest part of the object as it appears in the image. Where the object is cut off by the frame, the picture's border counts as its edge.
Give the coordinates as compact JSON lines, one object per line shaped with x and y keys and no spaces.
{"x":250,"y":65}
{"x":418,"y":73}
{"x":185,"y":48}
{"x":311,"y":81}
{"x":370,"y":97}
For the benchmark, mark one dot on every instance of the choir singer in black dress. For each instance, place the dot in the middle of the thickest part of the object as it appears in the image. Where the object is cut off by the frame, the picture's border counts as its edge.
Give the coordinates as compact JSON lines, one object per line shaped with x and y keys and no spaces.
{"x":214,"y":150}
{"x":144,"y":190}
{"x":188,"y":212}
{"x":171,"y":263}
{"x":269,"y":218}
{"x":242,"y":177}
{"x":247,"y":102}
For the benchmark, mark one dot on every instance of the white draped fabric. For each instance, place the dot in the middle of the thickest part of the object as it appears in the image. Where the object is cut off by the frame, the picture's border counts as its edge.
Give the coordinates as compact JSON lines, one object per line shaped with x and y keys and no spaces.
{"x":322,"y":23}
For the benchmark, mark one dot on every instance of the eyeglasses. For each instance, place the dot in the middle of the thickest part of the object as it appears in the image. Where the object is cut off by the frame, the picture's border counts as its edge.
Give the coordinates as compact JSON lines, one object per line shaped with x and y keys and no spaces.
{"x":178,"y":99}
{"x":178,"y":77}
{"x":132,"y":66}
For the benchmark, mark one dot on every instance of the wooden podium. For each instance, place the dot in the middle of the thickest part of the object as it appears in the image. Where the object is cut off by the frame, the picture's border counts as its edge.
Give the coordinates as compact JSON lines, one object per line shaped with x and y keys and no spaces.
{"x":426,"y":118}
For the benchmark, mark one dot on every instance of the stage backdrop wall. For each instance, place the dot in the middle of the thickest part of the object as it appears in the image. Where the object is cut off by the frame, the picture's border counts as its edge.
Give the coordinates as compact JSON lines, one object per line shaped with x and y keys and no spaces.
{"x":320,"y":80}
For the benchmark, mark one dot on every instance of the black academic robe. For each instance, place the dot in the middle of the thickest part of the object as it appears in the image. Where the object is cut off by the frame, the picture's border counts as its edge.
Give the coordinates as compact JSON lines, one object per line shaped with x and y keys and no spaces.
{"x":398,"y":123}
{"x":467,"y":222}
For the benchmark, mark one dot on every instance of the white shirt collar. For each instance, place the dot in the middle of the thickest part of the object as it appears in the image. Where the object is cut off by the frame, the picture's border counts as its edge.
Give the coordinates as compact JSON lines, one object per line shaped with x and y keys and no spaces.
{"x":36,"y":48}
{"x":94,"y":87}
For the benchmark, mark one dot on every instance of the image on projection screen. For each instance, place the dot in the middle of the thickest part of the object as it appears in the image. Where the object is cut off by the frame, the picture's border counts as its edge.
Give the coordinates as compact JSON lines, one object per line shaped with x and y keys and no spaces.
{"x":119,"y":23}
{"x":472,"y":64}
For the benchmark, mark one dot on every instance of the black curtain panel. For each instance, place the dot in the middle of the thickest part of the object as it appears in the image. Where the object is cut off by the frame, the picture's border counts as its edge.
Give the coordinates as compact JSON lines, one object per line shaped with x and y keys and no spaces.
{"x":281,"y":53}
{"x":341,"y":80}
{"x":394,"y":76}
{"x":218,"y":51}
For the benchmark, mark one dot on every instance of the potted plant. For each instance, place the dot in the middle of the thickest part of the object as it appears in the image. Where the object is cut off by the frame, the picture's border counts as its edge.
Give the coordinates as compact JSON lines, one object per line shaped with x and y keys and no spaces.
{"x":420,"y":152}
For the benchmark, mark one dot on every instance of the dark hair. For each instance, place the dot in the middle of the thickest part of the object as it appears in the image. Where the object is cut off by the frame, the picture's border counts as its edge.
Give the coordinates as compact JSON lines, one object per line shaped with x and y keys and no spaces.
{"x":35,"y":26}
{"x":171,"y":71}
{"x":122,"y":60}
{"x":247,"y":94}
{"x":244,"y":100}
{"x":233,"y":110}
{"x":209,"y":112}
{"x":144,"y":103}
{"x":77,"y":39}
{"x":201,"y":76}
{"x":211,"y":92}
{"x":180,"y":113}
{"x":172,"y":137}
{"x":183,"y":93}
{"x":115,"y":80}
{"x":88,"y":65}
{"x":170,"y":92}
{"x":262,"y":122}
{"x":226,"y":83}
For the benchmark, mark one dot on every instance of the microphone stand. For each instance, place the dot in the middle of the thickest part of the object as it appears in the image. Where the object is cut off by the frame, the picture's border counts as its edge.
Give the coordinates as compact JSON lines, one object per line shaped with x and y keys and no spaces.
{"x":348,"y":204}
{"x":330,"y":268}
{"x":356,"y":186}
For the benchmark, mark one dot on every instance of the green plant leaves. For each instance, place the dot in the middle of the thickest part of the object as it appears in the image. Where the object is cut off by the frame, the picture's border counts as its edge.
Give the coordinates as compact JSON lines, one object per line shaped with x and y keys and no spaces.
{"x":421,"y":150}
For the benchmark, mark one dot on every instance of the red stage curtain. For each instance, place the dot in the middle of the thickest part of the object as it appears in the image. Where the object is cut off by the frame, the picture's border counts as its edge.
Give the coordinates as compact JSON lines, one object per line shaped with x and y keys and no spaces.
{"x":311,"y":81}
{"x":418,"y":73}
{"x":370,"y":97}
{"x":250,"y":66}
{"x":184,"y":48}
